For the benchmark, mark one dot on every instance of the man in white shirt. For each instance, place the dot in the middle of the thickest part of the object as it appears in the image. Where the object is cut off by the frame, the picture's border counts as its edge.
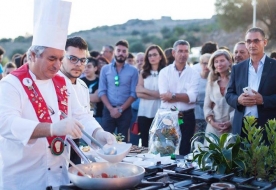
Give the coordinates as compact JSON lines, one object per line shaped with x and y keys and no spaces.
{"x":178,"y":86}
{"x":72,"y":67}
{"x":32,"y":131}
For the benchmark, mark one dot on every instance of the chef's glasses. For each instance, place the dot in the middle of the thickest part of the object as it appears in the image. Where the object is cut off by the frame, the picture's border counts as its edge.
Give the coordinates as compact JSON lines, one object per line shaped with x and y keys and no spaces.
{"x":74,"y":60}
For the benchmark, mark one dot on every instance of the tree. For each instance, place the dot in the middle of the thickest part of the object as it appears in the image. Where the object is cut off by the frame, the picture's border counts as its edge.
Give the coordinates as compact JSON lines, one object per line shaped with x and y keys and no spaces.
{"x":239,"y":13}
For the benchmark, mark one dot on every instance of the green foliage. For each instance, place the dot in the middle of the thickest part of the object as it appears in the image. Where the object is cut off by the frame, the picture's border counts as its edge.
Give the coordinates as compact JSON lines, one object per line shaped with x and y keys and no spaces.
{"x":222,"y":153}
{"x":259,"y":158}
{"x":3,"y":40}
{"x":135,"y":32}
{"x":166,"y":32}
{"x":239,"y":13}
{"x":137,"y":46}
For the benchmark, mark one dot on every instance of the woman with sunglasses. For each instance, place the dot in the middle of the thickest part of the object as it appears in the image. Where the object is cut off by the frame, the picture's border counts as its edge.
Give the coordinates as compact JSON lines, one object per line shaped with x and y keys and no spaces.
{"x":147,"y":90}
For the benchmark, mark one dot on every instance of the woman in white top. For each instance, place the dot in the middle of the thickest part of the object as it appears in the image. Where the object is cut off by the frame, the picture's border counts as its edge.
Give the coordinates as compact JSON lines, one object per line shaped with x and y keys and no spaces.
{"x":147,"y":90}
{"x":217,"y":112}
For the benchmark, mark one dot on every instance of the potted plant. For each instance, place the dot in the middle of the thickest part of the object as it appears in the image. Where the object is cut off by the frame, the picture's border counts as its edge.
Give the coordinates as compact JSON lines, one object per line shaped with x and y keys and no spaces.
{"x":259,"y":157}
{"x":222,"y":152}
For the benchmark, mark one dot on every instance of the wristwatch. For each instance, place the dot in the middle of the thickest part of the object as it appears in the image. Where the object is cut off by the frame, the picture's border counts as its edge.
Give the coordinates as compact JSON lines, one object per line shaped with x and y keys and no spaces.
{"x":173,"y":96}
{"x":120,"y":109}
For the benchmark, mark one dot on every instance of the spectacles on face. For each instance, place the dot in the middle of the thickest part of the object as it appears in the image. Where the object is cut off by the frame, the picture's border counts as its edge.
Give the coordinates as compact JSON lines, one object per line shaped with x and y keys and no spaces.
{"x":153,"y":55}
{"x":74,"y":60}
{"x":255,"y":41}
{"x":116,"y":78}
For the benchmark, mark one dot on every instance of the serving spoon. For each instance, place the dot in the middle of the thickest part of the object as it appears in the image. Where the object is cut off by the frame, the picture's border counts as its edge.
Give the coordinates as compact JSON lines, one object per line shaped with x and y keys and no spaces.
{"x":107,"y":151}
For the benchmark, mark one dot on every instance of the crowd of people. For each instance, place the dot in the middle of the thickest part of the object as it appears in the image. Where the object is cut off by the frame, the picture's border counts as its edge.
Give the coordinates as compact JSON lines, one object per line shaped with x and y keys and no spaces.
{"x":119,"y":88}
{"x":127,"y":87}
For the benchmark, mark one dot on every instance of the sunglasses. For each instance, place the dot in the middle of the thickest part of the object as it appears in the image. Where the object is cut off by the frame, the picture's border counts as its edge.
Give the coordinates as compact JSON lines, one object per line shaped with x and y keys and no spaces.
{"x":74,"y":60}
{"x":116,"y":78}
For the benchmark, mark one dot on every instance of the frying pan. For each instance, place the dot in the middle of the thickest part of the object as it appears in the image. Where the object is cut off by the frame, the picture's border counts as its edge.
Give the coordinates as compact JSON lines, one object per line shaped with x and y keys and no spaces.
{"x":127,"y":175}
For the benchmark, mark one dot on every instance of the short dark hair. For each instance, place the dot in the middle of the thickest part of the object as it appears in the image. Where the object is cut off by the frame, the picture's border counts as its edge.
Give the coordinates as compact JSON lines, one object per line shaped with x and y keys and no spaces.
{"x":273,"y":54}
{"x":103,"y":59}
{"x":2,"y":51}
{"x":256,"y":29}
{"x":209,"y":47}
{"x":122,"y":43}
{"x":94,"y":53}
{"x":93,"y":61}
{"x":130,"y":56}
{"x":10,"y":65}
{"x":76,"y":42}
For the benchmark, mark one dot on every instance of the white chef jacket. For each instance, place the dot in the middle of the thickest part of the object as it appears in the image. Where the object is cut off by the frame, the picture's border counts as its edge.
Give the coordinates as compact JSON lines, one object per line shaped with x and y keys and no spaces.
{"x":28,"y":163}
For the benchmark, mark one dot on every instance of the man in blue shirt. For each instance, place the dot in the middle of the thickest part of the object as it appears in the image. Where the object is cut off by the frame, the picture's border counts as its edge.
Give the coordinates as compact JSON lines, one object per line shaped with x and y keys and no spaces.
{"x":118,"y":81}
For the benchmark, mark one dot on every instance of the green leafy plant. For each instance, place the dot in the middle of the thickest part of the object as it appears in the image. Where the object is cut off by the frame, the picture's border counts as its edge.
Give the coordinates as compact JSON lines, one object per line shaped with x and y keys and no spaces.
{"x":222,"y":153}
{"x":258,"y":156}
{"x":119,"y":137}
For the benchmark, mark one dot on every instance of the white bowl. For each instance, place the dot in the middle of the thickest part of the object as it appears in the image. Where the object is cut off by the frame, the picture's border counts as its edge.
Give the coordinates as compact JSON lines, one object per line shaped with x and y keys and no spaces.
{"x":122,"y":151}
{"x":131,"y":159}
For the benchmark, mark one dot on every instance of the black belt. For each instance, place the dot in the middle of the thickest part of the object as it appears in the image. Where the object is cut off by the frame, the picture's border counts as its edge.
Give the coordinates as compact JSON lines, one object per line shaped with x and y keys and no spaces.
{"x":186,"y":112}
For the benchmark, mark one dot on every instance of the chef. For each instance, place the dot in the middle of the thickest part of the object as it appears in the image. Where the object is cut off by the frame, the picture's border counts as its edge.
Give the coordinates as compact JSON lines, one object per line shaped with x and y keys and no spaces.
{"x":33,"y":131}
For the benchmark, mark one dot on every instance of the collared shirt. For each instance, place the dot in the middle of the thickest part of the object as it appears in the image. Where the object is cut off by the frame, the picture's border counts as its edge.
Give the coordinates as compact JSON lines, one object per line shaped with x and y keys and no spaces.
{"x":254,"y":79}
{"x":128,"y":79}
{"x":187,"y":82}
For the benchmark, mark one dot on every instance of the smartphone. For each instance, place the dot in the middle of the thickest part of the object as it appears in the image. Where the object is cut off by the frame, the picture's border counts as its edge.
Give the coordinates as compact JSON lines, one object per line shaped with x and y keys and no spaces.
{"x":248,"y":90}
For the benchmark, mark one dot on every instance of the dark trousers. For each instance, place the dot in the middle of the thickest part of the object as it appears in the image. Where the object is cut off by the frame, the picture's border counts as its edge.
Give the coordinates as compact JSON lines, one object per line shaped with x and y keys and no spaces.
{"x":134,"y":139}
{"x":122,"y":123}
{"x":187,"y":130}
{"x":144,"y":124}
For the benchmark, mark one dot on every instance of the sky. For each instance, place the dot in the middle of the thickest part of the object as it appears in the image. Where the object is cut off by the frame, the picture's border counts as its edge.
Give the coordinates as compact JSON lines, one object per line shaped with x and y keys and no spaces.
{"x":17,"y":15}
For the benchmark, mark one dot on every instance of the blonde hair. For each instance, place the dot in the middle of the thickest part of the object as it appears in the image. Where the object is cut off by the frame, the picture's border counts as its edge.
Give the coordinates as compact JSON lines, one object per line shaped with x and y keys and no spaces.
{"x":213,"y":76}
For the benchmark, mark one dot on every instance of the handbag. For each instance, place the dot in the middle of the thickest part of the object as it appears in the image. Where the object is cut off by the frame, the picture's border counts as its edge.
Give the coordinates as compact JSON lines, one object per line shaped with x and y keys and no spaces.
{"x":135,"y":128}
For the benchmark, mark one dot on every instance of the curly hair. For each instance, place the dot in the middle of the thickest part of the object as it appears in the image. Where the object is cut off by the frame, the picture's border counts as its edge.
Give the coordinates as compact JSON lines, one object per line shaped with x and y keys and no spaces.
{"x":147,"y":65}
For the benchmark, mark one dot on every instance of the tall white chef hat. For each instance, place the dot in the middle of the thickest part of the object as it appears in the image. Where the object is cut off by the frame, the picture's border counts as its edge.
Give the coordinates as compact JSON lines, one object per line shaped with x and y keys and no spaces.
{"x":51,"y":20}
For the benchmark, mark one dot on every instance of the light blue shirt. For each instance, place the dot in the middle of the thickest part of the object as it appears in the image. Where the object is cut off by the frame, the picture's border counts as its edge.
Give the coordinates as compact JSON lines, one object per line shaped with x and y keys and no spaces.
{"x":254,"y":79}
{"x":128,"y":79}
{"x":1,"y":69}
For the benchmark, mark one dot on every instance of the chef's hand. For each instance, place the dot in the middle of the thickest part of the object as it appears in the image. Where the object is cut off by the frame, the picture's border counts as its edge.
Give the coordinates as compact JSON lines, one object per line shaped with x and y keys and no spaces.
{"x":68,"y":126}
{"x":104,"y":137}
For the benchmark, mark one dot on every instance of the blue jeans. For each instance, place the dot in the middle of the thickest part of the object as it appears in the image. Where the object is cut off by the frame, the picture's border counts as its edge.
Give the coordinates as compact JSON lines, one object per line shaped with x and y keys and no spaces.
{"x":134,"y":139}
{"x":122,"y":123}
{"x":99,"y":119}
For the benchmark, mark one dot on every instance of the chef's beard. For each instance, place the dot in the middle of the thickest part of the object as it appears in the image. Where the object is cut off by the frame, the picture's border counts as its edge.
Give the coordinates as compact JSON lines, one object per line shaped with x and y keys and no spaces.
{"x":120,"y":59}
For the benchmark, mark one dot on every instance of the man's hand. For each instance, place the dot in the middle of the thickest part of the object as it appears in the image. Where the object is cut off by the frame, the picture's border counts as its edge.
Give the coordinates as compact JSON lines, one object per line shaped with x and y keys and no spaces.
{"x":258,"y":97}
{"x":68,"y":126}
{"x":114,"y":113}
{"x":166,"y":97}
{"x":247,"y":100}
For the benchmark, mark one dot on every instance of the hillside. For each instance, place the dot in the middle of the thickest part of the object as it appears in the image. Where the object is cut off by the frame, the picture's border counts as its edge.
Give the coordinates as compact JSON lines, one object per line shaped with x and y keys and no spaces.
{"x":141,"y":33}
